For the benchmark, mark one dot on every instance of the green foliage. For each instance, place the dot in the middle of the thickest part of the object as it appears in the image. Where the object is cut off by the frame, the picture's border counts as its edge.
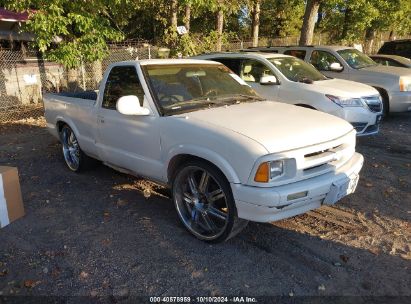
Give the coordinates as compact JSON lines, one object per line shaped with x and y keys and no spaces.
{"x":347,"y":20}
{"x":281,"y":18}
{"x":84,"y":27}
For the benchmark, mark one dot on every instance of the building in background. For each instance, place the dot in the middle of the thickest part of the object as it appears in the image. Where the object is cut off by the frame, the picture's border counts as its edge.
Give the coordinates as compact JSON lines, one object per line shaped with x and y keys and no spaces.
{"x":11,"y":37}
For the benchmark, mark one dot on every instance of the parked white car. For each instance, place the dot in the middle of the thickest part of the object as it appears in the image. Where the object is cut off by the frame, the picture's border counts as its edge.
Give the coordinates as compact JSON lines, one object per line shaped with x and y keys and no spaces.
{"x":393,"y":83}
{"x":291,"y":80}
{"x":196,"y":127}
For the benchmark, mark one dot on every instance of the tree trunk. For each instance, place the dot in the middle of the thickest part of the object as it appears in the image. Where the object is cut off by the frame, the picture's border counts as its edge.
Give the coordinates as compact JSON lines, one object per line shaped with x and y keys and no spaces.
{"x":256,"y":22}
{"x":392,"y":35}
{"x":347,"y":21}
{"x":369,"y":40}
{"x":307,"y":31}
{"x":187,"y":17}
{"x":173,"y":14}
{"x":220,"y":24}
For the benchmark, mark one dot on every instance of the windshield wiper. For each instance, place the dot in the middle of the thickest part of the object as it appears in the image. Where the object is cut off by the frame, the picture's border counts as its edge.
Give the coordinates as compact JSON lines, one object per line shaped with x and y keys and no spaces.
{"x":241,"y":97}
{"x":201,"y":101}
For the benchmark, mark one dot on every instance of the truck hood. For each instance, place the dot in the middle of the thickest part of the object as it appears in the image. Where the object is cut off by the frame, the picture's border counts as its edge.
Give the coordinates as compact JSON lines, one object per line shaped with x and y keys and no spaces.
{"x":344,"y":88}
{"x":387,"y":70}
{"x":276,"y":126}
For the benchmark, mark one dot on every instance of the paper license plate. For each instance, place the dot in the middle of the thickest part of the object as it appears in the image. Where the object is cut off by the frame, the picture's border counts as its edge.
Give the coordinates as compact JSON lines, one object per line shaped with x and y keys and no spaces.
{"x":341,"y":188}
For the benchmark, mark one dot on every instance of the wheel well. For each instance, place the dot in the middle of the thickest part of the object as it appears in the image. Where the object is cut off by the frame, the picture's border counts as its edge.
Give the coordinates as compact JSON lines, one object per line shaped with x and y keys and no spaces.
{"x":60,"y":125}
{"x":178,"y":160}
{"x":385,"y":98}
{"x":305,"y":106}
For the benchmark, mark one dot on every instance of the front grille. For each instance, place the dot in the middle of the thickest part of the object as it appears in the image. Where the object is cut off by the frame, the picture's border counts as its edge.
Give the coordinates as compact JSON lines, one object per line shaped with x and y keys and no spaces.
{"x":373,"y":103}
{"x":318,"y":159}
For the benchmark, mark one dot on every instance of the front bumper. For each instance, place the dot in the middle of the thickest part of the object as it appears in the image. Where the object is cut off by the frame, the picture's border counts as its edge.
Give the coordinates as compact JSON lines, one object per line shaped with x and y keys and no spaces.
{"x":271,"y":204}
{"x":363,"y":120}
{"x":400,"y":101}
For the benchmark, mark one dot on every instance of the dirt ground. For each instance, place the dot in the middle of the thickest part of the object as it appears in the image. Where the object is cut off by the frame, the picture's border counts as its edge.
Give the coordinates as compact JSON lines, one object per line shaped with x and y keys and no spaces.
{"x":103,"y":233}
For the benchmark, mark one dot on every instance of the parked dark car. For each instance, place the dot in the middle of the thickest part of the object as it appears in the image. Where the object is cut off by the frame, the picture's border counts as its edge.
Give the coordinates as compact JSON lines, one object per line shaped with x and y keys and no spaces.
{"x":397,"y":47}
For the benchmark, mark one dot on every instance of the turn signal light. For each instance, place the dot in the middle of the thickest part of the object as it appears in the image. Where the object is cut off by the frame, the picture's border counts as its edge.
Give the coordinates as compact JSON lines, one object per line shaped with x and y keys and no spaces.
{"x":263,"y":173}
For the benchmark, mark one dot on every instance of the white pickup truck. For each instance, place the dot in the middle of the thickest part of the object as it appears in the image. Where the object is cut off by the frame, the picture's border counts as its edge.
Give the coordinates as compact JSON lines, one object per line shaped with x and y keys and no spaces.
{"x":193,"y":125}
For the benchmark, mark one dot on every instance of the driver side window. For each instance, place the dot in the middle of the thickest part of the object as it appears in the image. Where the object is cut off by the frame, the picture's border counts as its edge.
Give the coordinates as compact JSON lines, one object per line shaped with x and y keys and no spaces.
{"x":322,"y":60}
{"x":122,"y":81}
{"x":253,"y":70}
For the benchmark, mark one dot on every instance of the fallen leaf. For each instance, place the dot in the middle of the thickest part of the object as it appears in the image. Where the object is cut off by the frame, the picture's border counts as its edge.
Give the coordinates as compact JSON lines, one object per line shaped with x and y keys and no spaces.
{"x":31,"y":283}
{"x":121,"y":202}
{"x":369,"y":185}
{"x":56,"y":271}
{"x":147,"y":193}
{"x":4,"y":272}
{"x":321,"y":287}
{"x":106,"y":242}
{"x":83,"y":275}
{"x":375,"y":250}
{"x":344,"y":258}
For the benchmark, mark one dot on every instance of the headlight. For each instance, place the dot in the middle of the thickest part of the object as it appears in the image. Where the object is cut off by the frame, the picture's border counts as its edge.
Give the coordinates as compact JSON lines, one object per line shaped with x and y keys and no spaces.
{"x":346,"y":102}
{"x":268,"y":171}
{"x":405,"y":84}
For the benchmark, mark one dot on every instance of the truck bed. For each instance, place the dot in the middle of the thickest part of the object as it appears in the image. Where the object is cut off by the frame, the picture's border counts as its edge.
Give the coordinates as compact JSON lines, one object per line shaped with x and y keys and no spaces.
{"x":92,"y":95}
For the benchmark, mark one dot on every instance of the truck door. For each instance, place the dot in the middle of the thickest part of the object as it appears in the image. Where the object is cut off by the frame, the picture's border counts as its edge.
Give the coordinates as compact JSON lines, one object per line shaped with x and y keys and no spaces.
{"x":322,"y":61}
{"x":126,"y":141}
{"x":251,"y":72}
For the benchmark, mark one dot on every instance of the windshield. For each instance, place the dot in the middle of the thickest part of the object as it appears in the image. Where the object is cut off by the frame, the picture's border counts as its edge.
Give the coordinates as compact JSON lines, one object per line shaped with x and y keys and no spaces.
{"x":180,"y":88}
{"x":296,"y":70}
{"x":356,"y":59}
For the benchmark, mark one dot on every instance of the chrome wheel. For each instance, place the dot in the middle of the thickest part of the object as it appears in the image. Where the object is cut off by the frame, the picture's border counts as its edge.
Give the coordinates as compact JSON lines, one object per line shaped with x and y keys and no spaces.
{"x":201,"y":202}
{"x":71,"y":148}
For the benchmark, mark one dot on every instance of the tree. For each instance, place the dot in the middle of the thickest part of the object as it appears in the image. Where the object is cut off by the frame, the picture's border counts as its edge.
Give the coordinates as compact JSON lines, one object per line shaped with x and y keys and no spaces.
{"x":357,"y":21}
{"x":255,"y":21}
{"x":187,"y":16}
{"x":281,"y":18}
{"x":81,"y":27}
{"x":310,"y":15}
{"x":173,"y":14}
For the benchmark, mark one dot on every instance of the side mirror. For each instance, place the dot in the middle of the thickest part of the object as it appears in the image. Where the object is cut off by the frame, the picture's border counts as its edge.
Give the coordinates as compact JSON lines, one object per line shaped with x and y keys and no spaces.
{"x":130,"y":105}
{"x":268,"y":80}
{"x":336,"y":67}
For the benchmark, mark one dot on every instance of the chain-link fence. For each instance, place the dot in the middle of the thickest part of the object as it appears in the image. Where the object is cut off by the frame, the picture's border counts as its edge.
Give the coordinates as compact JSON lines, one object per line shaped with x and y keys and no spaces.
{"x":25,"y":77}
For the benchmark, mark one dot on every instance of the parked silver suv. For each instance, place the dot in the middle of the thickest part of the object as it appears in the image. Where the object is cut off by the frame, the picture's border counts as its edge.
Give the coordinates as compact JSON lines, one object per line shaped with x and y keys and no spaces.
{"x":393,"y":83}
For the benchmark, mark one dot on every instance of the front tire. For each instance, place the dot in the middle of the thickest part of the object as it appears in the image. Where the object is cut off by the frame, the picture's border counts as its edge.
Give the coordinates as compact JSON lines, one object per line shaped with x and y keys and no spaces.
{"x":204,"y":202}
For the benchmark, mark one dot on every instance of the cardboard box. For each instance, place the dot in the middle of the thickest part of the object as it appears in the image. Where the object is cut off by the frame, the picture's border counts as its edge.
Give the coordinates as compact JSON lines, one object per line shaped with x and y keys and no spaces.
{"x":11,"y":203}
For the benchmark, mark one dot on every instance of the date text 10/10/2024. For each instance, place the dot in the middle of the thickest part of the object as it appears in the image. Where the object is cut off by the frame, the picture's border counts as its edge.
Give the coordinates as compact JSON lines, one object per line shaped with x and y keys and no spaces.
{"x":237,"y":299}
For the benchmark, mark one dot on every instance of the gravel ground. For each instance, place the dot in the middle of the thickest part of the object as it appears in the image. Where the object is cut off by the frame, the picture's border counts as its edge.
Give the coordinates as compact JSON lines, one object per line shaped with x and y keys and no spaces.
{"x":103,"y":233}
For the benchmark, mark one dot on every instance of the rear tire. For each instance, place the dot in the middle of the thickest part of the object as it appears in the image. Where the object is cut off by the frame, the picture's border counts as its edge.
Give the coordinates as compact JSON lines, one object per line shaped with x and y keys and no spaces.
{"x":204,"y":202}
{"x":74,"y":157}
